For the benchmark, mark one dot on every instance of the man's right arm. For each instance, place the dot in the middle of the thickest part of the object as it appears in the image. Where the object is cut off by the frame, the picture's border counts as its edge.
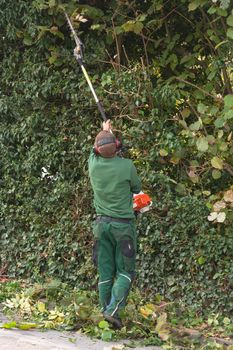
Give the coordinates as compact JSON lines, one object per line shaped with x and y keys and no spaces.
{"x":92,"y":158}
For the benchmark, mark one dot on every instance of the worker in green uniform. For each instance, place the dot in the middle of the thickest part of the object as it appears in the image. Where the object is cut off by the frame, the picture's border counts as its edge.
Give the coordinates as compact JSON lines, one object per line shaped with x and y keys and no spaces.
{"x":114,"y":180}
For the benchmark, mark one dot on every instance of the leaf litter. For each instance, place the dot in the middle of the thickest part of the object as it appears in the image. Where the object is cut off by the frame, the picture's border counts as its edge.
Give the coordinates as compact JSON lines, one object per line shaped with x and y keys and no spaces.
{"x":55,"y":305}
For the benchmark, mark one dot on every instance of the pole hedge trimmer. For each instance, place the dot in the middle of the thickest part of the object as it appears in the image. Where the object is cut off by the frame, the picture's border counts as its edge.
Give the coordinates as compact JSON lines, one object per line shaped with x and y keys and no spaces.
{"x":141,"y":201}
{"x":78,"y":53}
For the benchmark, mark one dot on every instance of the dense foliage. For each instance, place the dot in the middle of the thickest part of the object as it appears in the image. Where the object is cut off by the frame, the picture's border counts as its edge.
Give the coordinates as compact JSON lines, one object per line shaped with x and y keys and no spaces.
{"x":163,"y":71}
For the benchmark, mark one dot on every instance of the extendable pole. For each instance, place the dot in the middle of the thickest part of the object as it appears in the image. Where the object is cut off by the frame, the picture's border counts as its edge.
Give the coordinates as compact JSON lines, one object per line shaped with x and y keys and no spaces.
{"x":78,"y":53}
{"x":90,"y":86}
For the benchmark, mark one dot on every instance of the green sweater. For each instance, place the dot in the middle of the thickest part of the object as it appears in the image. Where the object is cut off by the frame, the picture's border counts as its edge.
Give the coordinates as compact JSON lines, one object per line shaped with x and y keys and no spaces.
{"x":113,"y":180}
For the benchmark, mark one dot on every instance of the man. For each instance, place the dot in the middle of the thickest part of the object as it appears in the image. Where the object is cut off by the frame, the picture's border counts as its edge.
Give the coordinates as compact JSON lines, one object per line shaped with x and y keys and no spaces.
{"x":113,"y":180}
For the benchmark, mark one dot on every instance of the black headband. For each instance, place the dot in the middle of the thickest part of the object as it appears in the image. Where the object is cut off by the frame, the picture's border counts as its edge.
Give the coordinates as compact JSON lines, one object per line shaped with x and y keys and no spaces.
{"x":105,"y":141}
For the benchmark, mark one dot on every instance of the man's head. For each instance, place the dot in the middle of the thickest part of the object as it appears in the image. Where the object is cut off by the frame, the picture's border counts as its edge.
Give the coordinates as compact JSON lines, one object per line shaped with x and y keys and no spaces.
{"x":105,"y":144}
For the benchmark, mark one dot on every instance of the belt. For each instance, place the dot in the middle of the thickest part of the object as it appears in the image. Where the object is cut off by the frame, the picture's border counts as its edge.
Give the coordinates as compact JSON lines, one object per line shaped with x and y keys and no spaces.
{"x":102,"y":218}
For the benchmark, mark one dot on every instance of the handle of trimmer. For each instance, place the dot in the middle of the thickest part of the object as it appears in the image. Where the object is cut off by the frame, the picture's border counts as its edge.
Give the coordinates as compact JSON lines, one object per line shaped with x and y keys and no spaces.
{"x":102,"y":112}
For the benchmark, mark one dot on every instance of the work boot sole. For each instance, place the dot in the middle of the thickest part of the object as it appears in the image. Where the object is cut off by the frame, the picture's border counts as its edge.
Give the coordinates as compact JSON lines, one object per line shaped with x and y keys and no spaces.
{"x":115,"y":322}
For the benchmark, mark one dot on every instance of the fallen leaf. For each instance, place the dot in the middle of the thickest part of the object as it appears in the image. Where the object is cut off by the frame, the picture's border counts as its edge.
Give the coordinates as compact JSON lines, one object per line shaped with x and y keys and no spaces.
{"x":26,"y":326}
{"x":219,"y":206}
{"x":162,"y":327}
{"x":221,"y":217}
{"x":9,"y":325}
{"x":212,"y":216}
{"x":41,"y":307}
{"x":228,"y":196}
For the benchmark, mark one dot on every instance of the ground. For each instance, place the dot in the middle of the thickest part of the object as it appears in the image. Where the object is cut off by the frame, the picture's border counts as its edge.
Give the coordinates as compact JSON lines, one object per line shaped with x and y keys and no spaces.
{"x":16,"y":339}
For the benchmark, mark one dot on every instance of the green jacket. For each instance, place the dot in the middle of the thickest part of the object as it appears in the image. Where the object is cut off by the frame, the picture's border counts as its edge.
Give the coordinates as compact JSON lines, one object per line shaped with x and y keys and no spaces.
{"x":113,"y":180}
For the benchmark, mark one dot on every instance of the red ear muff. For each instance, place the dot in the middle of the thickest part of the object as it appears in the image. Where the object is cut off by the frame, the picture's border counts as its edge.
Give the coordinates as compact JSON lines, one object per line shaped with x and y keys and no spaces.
{"x":118,"y":144}
{"x":105,"y":142}
{"x":96,"y":150}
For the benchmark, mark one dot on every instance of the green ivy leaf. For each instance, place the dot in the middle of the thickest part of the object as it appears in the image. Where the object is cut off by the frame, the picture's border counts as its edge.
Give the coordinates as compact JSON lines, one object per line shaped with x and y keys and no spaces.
{"x":201,"y":260}
{"x":133,"y":26}
{"x":195,"y":126}
{"x":219,"y":122}
{"x":230,"y":20}
{"x":194,"y":5}
{"x":228,"y":99}
{"x":230,"y":33}
{"x":217,"y":163}
{"x":201,"y":108}
{"x":52,"y":59}
{"x":211,"y":139}
{"x":185,"y":112}
{"x":52,"y":3}
{"x":216,"y":174}
{"x":228,"y":115}
{"x":106,"y":335}
{"x":180,"y":188}
{"x":103,"y":324}
{"x":27,"y":40}
{"x":221,"y":12}
{"x":212,"y":10}
{"x":223,"y":146}
{"x":202,"y":144}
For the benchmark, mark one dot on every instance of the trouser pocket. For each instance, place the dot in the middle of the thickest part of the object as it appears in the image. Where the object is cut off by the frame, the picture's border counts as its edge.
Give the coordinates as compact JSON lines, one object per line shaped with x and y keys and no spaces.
{"x":128,"y":253}
{"x":127,"y":248}
{"x":125,"y":236}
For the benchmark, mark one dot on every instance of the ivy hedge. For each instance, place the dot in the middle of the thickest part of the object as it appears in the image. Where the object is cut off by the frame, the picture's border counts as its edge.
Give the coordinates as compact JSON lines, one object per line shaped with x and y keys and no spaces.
{"x":48,"y":122}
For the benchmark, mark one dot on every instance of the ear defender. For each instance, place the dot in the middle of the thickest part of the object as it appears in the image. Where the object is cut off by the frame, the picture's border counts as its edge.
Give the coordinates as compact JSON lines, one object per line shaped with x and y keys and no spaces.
{"x":106,"y":142}
{"x":118,"y":144}
{"x":96,"y":150}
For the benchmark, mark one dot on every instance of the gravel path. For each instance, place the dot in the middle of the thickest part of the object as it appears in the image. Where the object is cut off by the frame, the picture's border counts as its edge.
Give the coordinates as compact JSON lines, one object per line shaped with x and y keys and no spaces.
{"x":16,"y":339}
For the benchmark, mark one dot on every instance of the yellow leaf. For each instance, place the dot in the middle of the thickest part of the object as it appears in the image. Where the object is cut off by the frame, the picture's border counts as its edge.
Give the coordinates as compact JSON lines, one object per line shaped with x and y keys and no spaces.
{"x":174,"y":160}
{"x":41,"y":307}
{"x":146,"y":310}
{"x":163,"y":152}
{"x":26,"y":326}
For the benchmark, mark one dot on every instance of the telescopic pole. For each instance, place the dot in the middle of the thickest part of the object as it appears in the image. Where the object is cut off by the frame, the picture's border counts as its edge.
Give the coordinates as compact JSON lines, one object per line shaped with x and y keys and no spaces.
{"x":78,"y":53}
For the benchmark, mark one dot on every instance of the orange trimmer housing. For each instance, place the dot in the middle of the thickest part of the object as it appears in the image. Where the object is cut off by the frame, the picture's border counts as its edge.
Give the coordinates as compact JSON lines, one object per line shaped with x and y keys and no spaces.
{"x":142,"y":202}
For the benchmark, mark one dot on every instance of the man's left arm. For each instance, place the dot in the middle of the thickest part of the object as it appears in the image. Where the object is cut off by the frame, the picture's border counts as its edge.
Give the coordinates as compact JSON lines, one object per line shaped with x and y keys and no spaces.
{"x":136,"y":186}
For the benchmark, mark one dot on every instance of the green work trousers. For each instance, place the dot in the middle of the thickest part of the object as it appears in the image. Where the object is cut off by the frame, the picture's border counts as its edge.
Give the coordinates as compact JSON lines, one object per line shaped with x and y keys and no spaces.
{"x":114,"y":254}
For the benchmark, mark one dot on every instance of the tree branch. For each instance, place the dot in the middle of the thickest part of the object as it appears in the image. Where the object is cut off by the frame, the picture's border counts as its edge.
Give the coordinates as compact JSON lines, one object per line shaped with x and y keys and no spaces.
{"x":197,"y":87}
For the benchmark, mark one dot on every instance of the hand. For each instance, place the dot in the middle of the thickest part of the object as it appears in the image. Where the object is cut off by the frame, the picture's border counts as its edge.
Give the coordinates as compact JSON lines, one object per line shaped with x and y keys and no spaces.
{"x":107,"y":125}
